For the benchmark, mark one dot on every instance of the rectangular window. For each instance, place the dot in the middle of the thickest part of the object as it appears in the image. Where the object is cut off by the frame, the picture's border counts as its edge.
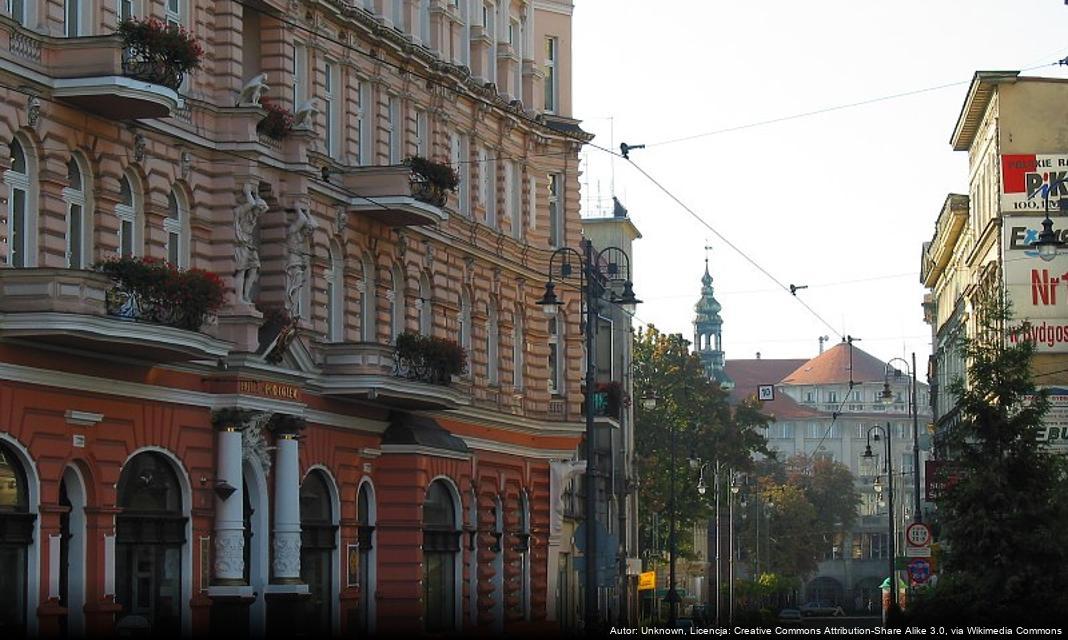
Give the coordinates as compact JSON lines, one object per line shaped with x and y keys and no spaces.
{"x":17,"y":9}
{"x":555,"y":230}
{"x":172,"y":247}
{"x":174,"y":12}
{"x":515,"y":195}
{"x":551,"y":45}
{"x":126,"y":8}
{"x":364,"y":125}
{"x":810,"y":396}
{"x":126,"y":238}
{"x":17,"y":250}
{"x":73,"y":18}
{"x":395,"y":130}
{"x":509,"y":183}
{"x":781,"y":430}
{"x":422,"y":134}
{"x":906,"y":463}
{"x":532,"y":203}
{"x":491,"y":179}
{"x":832,"y":396}
{"x":300,"y":65}
{"x":463,"y":166}
{"x":554,"y":357}
{"x":483,"y":177}
{"x":331,"y":87}
{"x":74,"y":237}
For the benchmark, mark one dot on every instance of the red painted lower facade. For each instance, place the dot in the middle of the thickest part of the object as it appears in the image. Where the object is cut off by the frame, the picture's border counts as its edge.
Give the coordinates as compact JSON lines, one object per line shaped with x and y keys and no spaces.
{"x":71,"y":429}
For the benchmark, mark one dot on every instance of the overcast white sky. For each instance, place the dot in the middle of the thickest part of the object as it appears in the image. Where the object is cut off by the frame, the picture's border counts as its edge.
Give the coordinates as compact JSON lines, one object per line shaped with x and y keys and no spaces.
{"x":840,"y":201}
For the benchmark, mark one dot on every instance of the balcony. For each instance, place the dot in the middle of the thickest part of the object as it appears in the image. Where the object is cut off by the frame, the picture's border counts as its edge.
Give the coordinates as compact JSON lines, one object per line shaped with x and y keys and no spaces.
{"x":390,"y":195}
{"x":90,"y":73}
{"x":370,"y":371}
{"x":72,"y":308}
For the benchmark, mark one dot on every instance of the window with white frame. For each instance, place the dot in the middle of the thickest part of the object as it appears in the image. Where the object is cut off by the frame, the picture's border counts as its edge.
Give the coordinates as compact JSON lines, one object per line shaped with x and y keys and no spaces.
{"x":75,"y":18}
{"x":426,"y":309}
{"x":532,"y":203}
{"x":509,"y":184}
{"x":493,"y":339}
{"x":399,"y":19}
{"x":483,"y":176}
{"x":518,"y":348}
{"x":489,"y":22}
{"x":364,"y":125}
{"x":335,"y":295}
{"x":551,"y":55}
{"x":129,"y":213}
{"x":555,"y":353}
{"x":465,"y":320}
{"x":124,"y":8}
{"x":555,"y":217}
{"x":300,"y":74}
{"x":173,"y":11}
{"x":394,"y":130}
{"x":368,"y":300}
{"x":459,"y":162}
{"x":74,"y":196}
{"x":176,"y":227}
{"x":331,"y":110}
{"x":515,"y":197}
{"x":17,"y":9}
{"x":781,"y":430}
{"x":424,"y":22}
{"x":397,"y":306}
{"x":906,"y":463}
{"x":422,"y":134}
{"x":523,"y":547}
{"x":21,"y":180}
{"x":491,"y":196}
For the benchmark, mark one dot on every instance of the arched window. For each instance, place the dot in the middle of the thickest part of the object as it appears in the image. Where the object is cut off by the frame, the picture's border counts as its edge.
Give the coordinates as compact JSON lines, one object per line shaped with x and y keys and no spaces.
{"x":523,"y":547}
{"x":426,"y":306}
{"x":335,"y":296}
{"x":149,"y":536}
{"x":555,"y":353}
{"x":441,"y":549}
{"x":317,"y":544}
{"x":397,"y":309}
{"x":518,"y":348}
{"x":176,"y":226}
{"x":365,"y":515}
{"x":21,"y":179}
{"x":16,"y":525}
{"x":78,"y":227}
{"x":493,"y":340}
{"x":368,"y":301}
{"x":130,"y":212}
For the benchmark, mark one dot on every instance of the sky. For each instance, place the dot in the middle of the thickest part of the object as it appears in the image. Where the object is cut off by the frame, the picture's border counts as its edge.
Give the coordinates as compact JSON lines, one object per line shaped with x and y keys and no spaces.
{"x":840,"y":202}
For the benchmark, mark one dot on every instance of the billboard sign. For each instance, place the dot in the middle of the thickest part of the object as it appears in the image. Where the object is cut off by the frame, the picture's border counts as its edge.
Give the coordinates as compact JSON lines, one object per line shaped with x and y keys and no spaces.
{"x":937,"y":476}
{"x":1037,"y":289}
{"x":1054,"y":430}
{"x":1029,"y":180}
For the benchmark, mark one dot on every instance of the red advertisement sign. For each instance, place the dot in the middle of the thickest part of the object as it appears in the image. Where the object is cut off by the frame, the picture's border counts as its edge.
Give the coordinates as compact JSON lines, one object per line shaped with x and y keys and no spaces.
{"x":938,"y":477}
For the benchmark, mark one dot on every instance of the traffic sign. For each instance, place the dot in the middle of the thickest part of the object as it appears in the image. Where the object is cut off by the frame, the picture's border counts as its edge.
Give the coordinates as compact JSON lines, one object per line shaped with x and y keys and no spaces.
{"x":919,"y":571}
{"x":646,"y":580}
{"x":917,"y":552}
{"x":765,"y":392}
{"x":918,"y":534}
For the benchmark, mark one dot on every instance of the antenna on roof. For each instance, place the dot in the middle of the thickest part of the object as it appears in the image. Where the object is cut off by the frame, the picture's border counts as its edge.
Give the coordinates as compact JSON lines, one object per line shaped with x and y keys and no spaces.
{"x":822,"y":340}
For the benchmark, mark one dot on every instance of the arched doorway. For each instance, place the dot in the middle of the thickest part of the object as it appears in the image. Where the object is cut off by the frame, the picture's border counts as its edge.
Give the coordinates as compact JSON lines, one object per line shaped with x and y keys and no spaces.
{"x":257,"y":559}
{"x":441,"y":549}
{"x":150,"y":536}
{"x":16,"y":537}
{"x":72,"y":551}
{"x":318,"y":532}
{"x":867,"y":595}
{"x":368,"y":572}
{"x":824,"y":589}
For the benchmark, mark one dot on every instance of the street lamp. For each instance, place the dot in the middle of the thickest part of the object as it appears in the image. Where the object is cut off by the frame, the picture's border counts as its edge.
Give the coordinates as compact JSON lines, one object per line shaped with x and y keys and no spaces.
{"x":599,"y":270}
{"x":888,"y":468}
{"x":735,"y":488}
{"x":888,"y":399}
{"x":1048,"y":243}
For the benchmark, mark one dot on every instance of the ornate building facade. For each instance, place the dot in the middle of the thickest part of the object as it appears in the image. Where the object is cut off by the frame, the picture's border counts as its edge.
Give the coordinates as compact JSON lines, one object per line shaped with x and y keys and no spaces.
{"x":281,"y":464}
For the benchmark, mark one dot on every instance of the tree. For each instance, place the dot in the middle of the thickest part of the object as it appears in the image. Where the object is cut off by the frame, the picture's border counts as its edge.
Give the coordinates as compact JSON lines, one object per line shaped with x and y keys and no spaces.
{"x":706,"y":428}
{"x":1004,"y":518}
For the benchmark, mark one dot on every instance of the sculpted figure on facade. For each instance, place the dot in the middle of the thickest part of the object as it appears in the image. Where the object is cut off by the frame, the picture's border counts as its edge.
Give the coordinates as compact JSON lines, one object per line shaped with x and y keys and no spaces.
{"x":298,"y":249}
{"x":246,"y":250}
{"x":253,"y":91}
{"x":304,"y":117}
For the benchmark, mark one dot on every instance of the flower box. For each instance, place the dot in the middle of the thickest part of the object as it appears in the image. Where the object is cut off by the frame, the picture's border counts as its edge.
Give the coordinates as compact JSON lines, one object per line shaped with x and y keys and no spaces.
{"x":429,"y":359}
{"x":278,"y":122}
{"x":158,"y":52}
{"x":431,"y":181}
{"x":151,"y":290}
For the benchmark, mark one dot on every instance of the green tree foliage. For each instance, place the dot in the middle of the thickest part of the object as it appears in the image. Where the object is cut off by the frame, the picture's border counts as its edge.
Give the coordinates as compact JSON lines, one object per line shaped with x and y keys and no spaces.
{"x":706,"y":427}
{"x":1004,"y":527}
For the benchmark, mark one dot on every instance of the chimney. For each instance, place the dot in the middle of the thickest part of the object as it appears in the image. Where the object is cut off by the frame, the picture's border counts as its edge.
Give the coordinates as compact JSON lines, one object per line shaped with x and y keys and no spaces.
{"x":758,"y":355}
{"x":618,"y":210}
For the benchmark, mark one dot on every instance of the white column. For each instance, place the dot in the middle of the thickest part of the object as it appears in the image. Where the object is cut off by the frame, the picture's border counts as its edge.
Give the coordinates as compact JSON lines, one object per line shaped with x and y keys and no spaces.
{"x":286,"y":544}
{"x":229,"y":511}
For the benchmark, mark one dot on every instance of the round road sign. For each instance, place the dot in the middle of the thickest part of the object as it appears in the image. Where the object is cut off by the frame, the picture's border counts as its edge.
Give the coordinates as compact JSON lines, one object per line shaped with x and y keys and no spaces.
{"x":919,"y":570}
{"x":918,"y":535}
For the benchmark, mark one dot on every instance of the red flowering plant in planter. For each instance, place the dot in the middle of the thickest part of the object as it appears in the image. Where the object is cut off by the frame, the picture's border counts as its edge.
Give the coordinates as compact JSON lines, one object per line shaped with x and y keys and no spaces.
{"x":278,"y":122}
{"x":428,"y":358}
{"x":431,"y":181}
{"x":158,"y":52}
{"x":152,"y":290}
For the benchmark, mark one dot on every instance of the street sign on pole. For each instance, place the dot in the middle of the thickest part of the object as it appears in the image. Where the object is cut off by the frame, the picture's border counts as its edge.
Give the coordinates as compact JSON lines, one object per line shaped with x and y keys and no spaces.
{"x":919,"y":571}
{"x":918,"y":535}
{"x":917,"y":552}
{"x":646,"y":580}
{"x":765,"y":392}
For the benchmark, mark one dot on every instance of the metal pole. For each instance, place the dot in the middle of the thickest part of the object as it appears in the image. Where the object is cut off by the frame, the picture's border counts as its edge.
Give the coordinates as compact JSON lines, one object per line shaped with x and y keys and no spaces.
{"x":673,"y":595}
{"x":718,"y":572}
{"x":758,"y":503}
{"x":730,"y":550}
{"x":917,"y":515}
{"x":892,"y":606}
{"x":592,"y":568}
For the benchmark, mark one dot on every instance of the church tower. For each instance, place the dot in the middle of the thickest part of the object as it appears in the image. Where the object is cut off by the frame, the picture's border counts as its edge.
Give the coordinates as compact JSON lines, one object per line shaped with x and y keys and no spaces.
{"x":708,"y":332}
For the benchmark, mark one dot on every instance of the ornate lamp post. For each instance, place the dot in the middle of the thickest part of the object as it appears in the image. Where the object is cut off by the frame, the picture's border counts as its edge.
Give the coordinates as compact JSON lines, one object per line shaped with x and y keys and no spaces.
{"x":888,"y":467}
{"x":597,"y":271}
{"x":888,"y":399}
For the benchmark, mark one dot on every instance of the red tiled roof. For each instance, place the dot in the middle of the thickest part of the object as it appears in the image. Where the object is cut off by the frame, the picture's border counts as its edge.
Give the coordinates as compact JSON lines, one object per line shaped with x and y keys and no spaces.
{"x":832,"y":367}
{"x":749,"y":374}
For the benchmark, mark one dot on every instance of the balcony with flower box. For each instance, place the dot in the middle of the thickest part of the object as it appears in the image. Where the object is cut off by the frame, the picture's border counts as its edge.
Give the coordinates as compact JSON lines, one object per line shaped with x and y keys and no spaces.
{"x":410,"y":194}
{"x":121,"y":76}
{"x":399,"y":377}
{"x":92,"y":311}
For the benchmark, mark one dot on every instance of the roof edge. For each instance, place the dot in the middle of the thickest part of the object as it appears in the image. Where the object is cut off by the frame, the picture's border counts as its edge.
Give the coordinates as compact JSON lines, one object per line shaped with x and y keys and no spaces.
{"x":975,"y":105}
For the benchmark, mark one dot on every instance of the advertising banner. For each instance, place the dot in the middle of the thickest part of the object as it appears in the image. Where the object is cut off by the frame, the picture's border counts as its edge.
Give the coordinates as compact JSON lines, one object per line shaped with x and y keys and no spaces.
{"x":1054,"y":430}
{"x":1028,"y":179}
{"x":1037,"y":289}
